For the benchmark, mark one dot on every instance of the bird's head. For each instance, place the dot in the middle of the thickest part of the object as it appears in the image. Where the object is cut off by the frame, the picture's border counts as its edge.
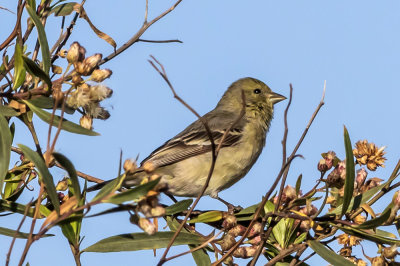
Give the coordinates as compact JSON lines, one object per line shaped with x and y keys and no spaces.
{"x":259,"y":99}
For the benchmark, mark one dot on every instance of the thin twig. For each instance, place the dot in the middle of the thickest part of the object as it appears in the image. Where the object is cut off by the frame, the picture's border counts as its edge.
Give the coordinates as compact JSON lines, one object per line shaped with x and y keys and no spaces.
{"x":268,"y":194}
{"x":14,"y":33}
{"x":138,"y":34}
{"x":17,"y":232}
{"x":285,"y":253}
{"x":162,"y":41}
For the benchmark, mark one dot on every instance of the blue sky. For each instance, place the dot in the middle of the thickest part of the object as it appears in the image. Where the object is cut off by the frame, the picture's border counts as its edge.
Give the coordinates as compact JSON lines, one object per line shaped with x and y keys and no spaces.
{"x":353,"y":45}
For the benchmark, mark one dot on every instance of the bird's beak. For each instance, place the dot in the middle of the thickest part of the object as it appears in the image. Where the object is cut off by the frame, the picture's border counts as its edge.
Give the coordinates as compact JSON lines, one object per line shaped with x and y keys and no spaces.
{"x":276,"y":98}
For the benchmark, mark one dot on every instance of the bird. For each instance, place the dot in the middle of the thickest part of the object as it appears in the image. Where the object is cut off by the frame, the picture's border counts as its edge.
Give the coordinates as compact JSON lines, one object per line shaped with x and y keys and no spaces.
{"x":183,"y":162}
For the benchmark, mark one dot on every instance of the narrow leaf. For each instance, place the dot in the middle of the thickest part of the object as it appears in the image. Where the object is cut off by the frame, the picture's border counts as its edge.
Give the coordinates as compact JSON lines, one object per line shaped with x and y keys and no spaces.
{"x":134,"y":193}
{"x":19,"y":70}
{"x":11,"y":233}
{"x":298,"y":184}
{"x":44,"y":46}
{"x":328,"y":255}
{"x":8,"y":111}
{"x":44,"y":172}
{"x":350,"y":173}
{"x":207,"y":217}
{"x":69,"y":167}
{"x":370,"y":235}
{"x":178,"y":207}
{"x":200,"y":256}
{"x":35,"y":70}
{"x":63,"y":9}
{"x":378,"y":221}
{"x":140,"y":241}
{"x":5,"y":149}
{"x":66,"y":125}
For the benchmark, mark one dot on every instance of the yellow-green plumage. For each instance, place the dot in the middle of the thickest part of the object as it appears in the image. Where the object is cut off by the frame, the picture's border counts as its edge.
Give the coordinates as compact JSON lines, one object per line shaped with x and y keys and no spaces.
{"x":184,"y":161}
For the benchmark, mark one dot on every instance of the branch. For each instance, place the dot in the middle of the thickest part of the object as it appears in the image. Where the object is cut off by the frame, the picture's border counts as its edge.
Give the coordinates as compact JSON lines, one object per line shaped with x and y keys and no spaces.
{"x":138,"y":34}
{"x":14,"y":33}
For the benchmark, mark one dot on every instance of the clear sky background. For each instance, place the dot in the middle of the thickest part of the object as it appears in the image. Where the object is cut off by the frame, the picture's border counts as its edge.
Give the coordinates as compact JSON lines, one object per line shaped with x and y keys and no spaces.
{"x":353,"y":45}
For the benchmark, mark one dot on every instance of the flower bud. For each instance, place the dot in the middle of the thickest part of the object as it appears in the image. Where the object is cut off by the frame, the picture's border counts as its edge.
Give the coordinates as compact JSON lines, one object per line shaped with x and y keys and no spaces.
{"x":255,"y":230}
{"x":337,"y":177}
{"x":237,"y":230}
{"x":329,"y":159}
{"x":49,"y":159}
{"x":378,"y":261}
{"x":158,"y":211}
{"x":91,"y":63}
{"x":56,"y":69}
{"x":130,"y":166}
{"x":74,"y":54}
{"x":86,"y":122}
{"x":62,"y":185}
{"x":390,"y":252}
{"x":229,"y":261}
{"x":255,"y":240}
{"x":229,"y":222}
{"x":322,"y":166}
{"x":361,"y":176}
{"x":371,"y":183}
{"x":63,"y":53}
{"x":79,"y":68}
{"x":99,"y":75}
{"x":227,"y":242}
{"x":309,"y":210}
{"x":147,"y":226}
{"x":76,"y":79}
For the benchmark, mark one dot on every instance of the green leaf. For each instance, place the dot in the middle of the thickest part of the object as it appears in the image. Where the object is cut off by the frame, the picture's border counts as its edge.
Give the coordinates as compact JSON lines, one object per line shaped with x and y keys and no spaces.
{"x":19,"y":70}
{"x":8,"y":111}
{"x":200,"y":256}
{"x":178,"y":207}
{"x":328,"y":254}
{"x":359,"y":199}
{"x":5,"y":149}
{"x":14,"y":207}
{"x":35,"y":70}
{"x":69,"y":167}
{"x":300,"y":238}
{"x":384,"y":233}
{"x":44,"y":172}
{"x":110,"y":187}
{"x":66,"y":125}
{"x":370,"y":235}
{"x":350,"y":173}
{"x":63,"y":9}
{"x":44,"y":46}
{"x":207,"y":217}
{"x":134,"y":193}
{"x":140,"y":241}
{"x":11,"y":233}
{"x":378,"y":221}
{"x":298,"y":184}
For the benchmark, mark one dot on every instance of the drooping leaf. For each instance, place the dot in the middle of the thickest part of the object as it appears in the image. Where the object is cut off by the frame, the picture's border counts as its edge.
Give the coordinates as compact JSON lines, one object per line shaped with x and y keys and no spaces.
{"x":378,"y":221}
{"x":44,"y":46}
{"x":5,"y":149}
{"x":66,"y":125}
{"x":19,"y":69}
{"x":47,"y":178}
{"x":134,"y":193}
{"x":63,"y":9}
{"x":69,"y":167}
{"x":328,"y":254}
{"x":35,"y":70}
{"x":350,"y":173}
{"x":11,"y":233}
{"x":180,"y":206}
{"x":140,"y":241}
{"x":14,"y":207}
{"x":207,"y":217}
{"x":8,"y":111}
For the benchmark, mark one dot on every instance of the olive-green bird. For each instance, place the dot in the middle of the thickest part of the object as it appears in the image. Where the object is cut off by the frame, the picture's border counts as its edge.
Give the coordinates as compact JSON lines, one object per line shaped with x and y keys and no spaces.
{"x":184,"y":161}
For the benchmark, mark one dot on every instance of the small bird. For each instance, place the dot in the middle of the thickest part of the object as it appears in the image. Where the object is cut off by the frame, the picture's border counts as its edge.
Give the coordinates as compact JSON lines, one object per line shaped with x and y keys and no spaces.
{"x":183,"y":162}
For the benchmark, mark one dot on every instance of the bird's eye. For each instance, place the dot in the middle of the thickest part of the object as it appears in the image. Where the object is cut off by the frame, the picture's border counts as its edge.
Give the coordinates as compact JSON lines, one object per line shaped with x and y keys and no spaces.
{"x":257,"y":91}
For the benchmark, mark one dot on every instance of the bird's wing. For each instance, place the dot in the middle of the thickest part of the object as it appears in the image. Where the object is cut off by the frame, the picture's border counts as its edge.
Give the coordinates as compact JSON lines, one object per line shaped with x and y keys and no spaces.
{"x":194,"y":140}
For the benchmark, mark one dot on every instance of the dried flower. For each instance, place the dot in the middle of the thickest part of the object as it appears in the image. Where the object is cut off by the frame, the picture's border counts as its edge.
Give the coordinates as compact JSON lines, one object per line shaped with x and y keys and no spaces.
{"x":368,"y":154}
{"x":63,"y":53}
{"x":100,"y":92}
{"x":378,"y":261}
{"x":158,"y":211}
{"x":359,"y":219}
{"x":90,"y":64}
{"x":76,"y":79}
{"x":86,"y":122}
{"x":346,"y":240}
{"x":100,"y":75}
{"x":56,"y":69}
{"x":345,"y":251}
{"x":77,"y":99}
{"x":371,"y":183}
{"x":322,"y":166}
{"x":62,"y":185}
{"x":390,"y":252}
